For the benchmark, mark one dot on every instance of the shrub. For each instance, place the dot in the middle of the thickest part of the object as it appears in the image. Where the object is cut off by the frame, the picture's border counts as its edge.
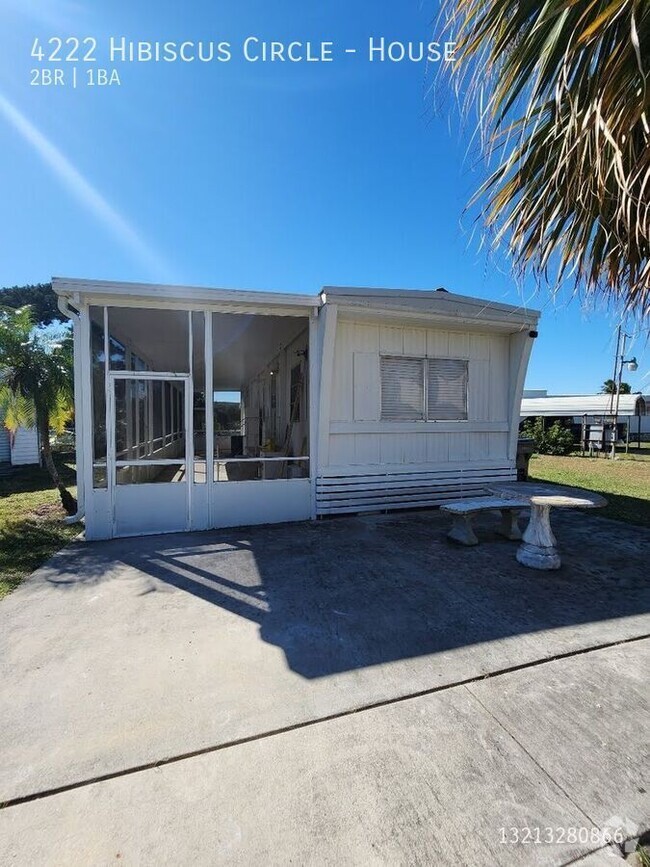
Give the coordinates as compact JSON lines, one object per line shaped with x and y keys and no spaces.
{"x":552,"y":440}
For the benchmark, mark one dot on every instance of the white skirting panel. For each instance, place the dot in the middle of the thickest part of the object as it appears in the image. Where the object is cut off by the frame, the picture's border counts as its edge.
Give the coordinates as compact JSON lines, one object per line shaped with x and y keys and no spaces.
{"x":150,"y":508}
{"x":381,"y":489}
{"x":268,"y":501}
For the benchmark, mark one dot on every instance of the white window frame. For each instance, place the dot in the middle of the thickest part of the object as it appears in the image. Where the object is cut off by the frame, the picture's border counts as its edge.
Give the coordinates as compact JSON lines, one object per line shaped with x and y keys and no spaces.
{"x":424,"y":359}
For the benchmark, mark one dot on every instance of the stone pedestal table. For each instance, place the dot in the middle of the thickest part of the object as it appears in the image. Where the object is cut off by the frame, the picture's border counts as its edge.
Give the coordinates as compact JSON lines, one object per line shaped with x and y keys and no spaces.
{"x":538,"y":549}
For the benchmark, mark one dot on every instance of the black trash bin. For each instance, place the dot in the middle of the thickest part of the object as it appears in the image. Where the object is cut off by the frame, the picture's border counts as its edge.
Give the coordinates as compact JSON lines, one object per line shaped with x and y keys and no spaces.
{"x":236,"y":445}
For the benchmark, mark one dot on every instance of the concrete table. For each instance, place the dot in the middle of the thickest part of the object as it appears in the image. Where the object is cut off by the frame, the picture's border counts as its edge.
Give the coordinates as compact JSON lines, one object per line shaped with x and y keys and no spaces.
{"x":538,"y":549}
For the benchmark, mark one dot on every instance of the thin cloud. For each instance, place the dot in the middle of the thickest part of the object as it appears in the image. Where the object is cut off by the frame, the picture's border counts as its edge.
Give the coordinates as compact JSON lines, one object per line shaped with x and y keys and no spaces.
{"x":82,"y":189}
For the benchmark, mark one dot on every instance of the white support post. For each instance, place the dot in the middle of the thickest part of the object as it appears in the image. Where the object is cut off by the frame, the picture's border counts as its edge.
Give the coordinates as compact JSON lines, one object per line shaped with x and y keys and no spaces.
{"x":174,"y":414}
{"x":189,"y":422}
{"x":150,"y":386}
{"x":313,"y":391}
{"x":84,"y":426}
{"x":329,"y":315}
{"x":209,"y":411}
{"x":109,"y":426}
{"x":163,"y":405}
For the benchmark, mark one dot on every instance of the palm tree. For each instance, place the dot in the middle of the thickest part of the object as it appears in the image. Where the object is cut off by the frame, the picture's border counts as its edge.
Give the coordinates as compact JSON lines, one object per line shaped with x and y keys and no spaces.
{"x":609,"y":387}
{"x":562,"y":95}
{"x":36,"y":385}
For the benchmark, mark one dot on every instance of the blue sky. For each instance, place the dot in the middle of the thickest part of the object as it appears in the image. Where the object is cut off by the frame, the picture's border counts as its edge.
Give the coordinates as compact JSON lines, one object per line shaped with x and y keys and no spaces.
{"x":256,"y":175}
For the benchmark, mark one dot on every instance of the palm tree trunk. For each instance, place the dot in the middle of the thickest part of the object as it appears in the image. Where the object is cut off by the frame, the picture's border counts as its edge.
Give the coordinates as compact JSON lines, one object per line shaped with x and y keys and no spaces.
{"x":67,"y":500}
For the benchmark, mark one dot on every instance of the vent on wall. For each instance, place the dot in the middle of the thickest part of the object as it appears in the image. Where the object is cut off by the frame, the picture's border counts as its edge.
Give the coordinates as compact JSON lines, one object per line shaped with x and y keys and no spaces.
{"x":337,"y":495}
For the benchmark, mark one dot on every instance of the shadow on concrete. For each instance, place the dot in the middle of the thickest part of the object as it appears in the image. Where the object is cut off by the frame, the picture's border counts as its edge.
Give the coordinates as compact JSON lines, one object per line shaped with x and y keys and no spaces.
{"x":349,"y":593}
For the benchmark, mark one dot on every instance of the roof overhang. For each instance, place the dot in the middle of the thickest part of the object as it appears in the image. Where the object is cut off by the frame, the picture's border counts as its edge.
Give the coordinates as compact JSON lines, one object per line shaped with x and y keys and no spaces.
{"x":417,"y":307}
{"x":106,"y":292}
{"x":423,"y":306}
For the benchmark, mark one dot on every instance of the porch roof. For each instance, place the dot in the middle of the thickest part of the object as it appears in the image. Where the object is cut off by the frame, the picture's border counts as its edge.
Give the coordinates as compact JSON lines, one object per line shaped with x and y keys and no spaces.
{"x":160,"y":294}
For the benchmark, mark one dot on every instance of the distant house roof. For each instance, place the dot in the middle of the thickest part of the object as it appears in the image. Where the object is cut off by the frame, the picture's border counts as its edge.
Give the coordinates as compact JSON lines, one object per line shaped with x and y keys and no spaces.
{"x":582,"y":404}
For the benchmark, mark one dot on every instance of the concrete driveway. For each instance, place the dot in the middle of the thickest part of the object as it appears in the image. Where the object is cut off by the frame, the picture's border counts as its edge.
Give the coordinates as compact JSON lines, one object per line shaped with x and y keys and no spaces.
{"x":318,"y":693}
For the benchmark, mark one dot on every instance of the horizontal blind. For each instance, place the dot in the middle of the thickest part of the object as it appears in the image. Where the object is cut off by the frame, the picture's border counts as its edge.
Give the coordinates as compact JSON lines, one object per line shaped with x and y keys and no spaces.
{"x":447,"y":389}
{"x":402,"y":388}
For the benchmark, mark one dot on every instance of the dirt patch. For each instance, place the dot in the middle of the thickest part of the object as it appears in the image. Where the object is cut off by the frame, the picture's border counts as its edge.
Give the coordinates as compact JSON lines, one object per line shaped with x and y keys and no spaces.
{"x":46,"y":511}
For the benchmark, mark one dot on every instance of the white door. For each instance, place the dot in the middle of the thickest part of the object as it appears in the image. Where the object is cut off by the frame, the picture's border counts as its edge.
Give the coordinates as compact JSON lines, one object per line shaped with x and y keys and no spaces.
{"x":150,"y":455}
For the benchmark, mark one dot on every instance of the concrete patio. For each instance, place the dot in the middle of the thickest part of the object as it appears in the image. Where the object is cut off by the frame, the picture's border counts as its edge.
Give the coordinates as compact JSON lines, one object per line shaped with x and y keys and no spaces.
{"x":357,"y":690}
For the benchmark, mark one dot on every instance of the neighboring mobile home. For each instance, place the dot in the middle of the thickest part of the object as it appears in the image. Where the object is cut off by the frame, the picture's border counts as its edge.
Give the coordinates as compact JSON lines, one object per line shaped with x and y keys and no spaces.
{"x":351,"y":400}
{"x":591,"y":415}
{"x":19,"y":448}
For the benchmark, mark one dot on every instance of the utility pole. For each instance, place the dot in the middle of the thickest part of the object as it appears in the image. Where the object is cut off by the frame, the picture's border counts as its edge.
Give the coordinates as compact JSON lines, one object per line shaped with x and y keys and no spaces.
{"x":614,"y":394}
{"x":619,"y":362}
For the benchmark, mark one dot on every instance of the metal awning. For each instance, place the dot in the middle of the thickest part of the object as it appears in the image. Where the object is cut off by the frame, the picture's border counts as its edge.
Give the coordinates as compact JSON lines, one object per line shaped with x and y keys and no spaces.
{"x":583,"y":404}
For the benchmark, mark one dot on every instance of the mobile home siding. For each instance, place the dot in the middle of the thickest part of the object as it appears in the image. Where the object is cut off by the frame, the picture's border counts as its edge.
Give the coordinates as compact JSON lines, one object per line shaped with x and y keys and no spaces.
{"x":5,"y":451}
{"x":25,"y":447}
{"x":375,"y":463}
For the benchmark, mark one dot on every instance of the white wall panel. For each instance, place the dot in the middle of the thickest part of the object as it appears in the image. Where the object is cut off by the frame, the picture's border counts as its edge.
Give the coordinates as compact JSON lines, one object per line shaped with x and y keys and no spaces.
{"x":24,"y":449}
{"x":391,"y":340}
{"x":458,"y":344}
{"x":438,"y":447}
{"x":5,"y":451}
{"x":437,"y":343}
{"x":236,"y":504}
{"x":356,"y":397}
{"x":478,"y":392}
{"x":499,"y":378}
{"x":368,"y":449}
{"x":459,"y":447}
{"x":497,"y":445}
{"x":415,"y":341}
{"x":365,"y":338}
{"x":342,"y":449}
{"x":366,"y":386}
{"x":391,"y":449}
{"x":479,"y":445}
{"x":342,"y":374}
{"x":479,"y":347}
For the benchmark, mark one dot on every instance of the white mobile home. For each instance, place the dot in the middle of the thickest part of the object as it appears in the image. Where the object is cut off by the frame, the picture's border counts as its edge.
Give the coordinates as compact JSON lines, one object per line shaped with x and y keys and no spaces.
{"x":20,"y":448}
{"x":589,"y":412}
{"x":350,"y":400}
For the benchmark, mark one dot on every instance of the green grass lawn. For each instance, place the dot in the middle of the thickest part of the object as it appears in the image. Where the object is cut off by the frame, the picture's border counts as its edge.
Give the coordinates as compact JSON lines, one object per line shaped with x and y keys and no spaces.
{"x":624,"y":482}
{"x":31,"y":521}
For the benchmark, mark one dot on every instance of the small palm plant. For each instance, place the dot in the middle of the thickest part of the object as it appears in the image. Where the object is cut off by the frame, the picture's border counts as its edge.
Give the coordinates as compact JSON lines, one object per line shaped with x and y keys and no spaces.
{"x":36,"y":385}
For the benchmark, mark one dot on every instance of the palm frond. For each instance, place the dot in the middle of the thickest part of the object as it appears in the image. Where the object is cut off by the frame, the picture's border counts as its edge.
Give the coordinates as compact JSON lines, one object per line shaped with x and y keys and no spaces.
{"x":561,"y":93}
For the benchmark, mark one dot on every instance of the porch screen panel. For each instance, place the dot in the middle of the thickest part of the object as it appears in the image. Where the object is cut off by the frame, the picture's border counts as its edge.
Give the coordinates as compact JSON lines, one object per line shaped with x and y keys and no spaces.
{"x":199,"y":396}
{"x":98,"y":385}
{"x":146,"y":338}
{"x":402,"y":388}
{"x":143,"y":454}
{"x":447,"y":380}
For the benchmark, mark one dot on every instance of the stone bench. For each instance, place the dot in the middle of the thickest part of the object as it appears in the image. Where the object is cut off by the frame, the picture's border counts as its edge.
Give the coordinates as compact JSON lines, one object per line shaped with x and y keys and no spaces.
{"x":463,"y":512}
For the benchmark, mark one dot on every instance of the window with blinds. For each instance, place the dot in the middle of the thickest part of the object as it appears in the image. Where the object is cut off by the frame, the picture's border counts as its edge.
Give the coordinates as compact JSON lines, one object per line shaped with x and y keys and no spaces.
{"x":402,"y":388}
{"x":446,"y":389}
{"x":414,"y":389}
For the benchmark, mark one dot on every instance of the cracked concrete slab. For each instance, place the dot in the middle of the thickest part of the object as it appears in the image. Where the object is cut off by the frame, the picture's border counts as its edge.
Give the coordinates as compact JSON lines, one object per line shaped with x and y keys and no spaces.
{"x":433,"y":780}
{"x":585,"y":721}
{"x":124,"y":653}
